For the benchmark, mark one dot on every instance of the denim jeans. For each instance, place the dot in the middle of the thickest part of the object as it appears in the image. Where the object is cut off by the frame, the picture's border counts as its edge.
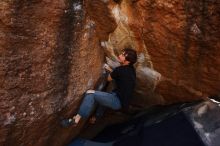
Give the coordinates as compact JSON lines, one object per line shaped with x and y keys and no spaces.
{"x":102,"y":99}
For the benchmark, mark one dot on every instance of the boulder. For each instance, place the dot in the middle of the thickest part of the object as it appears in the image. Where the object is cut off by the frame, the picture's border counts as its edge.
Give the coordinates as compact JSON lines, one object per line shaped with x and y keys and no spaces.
{"x":52,"y":51}
{"x":49,"y":55}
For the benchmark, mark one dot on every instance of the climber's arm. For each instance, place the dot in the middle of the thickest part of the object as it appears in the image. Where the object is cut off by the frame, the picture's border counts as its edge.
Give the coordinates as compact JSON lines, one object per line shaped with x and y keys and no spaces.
{"x":109,"y":78}
{"x":109,"y":70}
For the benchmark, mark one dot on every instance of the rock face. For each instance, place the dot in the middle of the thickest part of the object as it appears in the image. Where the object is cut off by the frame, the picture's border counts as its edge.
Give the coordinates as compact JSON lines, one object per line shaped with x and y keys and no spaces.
{"x":49,"y":55}
{"x":177,"y":44}
{"x":52,"y":51}
{"x":182,"y":40}
{"x":206,"y":123}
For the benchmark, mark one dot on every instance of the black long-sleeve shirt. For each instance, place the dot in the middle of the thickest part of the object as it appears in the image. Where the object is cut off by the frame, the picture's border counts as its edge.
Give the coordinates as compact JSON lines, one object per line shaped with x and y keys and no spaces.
{"x":125,"y":77}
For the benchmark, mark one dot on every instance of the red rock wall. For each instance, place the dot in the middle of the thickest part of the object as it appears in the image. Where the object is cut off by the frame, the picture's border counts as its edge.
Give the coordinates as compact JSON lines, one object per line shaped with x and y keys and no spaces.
{"x":50,"y":53}
{"x":182,"y":40}
{"x":177,"y":43}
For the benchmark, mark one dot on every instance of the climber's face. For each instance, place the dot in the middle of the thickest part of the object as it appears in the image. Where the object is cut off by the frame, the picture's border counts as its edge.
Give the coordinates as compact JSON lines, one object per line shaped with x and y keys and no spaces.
{"x":122,"y":59}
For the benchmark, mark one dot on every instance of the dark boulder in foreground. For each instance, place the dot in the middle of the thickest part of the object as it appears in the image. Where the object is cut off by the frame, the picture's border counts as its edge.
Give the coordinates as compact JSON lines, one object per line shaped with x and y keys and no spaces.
{"x":191,"y":124}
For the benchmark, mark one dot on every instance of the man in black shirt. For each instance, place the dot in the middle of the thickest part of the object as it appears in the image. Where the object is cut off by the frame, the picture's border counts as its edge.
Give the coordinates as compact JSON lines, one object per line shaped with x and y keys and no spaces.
{"x":124,"y":77}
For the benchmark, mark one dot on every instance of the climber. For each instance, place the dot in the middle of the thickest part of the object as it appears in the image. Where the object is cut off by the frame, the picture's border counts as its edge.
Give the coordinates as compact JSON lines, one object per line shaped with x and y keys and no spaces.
{"x":124,"y":77}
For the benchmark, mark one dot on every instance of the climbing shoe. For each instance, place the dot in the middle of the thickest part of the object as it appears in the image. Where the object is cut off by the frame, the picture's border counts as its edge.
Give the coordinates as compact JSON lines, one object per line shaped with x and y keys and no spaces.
{"x":67,"y":122}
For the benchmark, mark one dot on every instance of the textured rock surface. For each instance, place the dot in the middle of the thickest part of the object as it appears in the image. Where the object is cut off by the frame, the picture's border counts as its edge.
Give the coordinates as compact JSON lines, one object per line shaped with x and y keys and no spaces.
{"x":182,"y":40}
{"x":50,"y":53}
{"x":206,"y":123}
{"x":177,"y":44}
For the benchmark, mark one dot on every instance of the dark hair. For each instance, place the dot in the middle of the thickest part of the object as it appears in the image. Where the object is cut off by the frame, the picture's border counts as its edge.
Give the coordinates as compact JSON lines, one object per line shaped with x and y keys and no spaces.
{"x":117,"y":1}
{"x":130,"y":55}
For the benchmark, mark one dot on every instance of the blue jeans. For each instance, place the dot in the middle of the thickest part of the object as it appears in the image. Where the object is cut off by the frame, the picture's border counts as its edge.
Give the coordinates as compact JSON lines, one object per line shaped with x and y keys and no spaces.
{"x":102,"y":99}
